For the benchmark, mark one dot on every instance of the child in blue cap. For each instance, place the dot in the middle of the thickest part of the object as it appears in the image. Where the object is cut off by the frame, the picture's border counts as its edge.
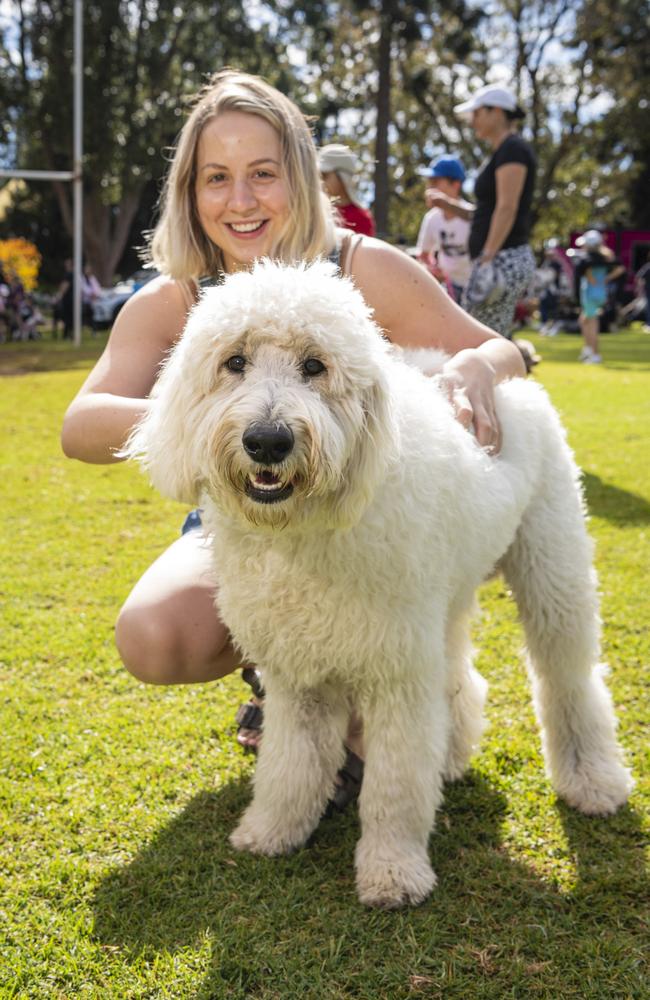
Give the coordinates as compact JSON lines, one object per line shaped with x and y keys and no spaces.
{"x":443,"y":237}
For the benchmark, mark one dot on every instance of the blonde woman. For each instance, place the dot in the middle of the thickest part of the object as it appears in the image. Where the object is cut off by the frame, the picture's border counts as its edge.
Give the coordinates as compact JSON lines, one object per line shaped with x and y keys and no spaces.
{"x":243,"y":184}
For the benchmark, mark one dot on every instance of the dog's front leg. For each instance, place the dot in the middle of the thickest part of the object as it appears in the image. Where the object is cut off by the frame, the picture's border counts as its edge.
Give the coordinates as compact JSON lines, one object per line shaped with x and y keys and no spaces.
{"x":406,"y":732}
{"x":300,"y":754}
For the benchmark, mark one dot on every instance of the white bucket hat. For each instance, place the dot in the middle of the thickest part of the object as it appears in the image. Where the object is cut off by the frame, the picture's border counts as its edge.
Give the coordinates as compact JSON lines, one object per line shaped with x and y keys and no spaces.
{"x":340,"y":160}
{"x":490,"y":97}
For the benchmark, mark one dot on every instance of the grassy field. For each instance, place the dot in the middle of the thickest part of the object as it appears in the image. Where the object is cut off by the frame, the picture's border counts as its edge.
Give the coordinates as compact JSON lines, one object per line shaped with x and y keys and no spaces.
{"x":116,"y":879}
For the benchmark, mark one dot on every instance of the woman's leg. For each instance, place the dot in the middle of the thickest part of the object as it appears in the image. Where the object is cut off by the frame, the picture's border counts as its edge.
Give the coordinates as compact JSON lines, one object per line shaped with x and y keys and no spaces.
{"x":169,"y":630}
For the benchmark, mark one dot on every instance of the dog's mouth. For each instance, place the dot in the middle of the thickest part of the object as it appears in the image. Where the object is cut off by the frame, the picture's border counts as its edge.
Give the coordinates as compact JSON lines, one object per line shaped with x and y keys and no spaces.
{"x":266,"y":487}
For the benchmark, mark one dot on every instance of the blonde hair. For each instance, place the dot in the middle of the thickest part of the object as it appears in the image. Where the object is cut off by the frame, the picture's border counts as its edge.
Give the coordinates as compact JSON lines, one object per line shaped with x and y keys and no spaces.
{"x":178,"y":245}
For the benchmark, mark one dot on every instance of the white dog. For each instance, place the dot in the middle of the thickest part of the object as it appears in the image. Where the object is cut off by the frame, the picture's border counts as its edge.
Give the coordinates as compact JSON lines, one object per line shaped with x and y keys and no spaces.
{"x":352,"y":519}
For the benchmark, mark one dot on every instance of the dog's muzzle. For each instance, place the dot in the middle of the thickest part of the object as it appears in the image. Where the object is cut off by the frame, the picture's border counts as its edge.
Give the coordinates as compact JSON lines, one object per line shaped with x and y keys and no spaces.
{"x":268,"y":445}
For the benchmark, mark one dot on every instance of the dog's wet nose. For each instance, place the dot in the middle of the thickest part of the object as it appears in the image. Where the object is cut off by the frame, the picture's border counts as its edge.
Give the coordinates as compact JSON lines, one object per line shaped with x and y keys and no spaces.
{"x":268,"y":444}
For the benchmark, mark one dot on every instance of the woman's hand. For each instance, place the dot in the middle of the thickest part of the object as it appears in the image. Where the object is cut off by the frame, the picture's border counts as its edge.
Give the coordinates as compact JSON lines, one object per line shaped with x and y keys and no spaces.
{"x":468,"y":380}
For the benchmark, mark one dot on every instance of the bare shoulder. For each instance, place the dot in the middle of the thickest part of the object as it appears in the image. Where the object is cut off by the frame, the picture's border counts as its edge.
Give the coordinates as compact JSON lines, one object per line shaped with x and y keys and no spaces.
{"x":408,"y":304}
{"x":147,"y":326}
{"x":159,"y":309}
{"x":401,"y":292}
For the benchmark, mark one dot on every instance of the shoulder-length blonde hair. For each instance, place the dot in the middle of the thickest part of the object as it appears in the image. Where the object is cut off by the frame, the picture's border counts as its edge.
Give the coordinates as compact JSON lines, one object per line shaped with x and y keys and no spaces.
{"x":178,"y":245}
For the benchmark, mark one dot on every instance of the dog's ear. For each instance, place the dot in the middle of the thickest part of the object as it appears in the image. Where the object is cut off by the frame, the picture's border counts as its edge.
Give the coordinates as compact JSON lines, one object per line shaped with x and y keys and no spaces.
{"x":161,"y":442}
{"x":375,"y":447}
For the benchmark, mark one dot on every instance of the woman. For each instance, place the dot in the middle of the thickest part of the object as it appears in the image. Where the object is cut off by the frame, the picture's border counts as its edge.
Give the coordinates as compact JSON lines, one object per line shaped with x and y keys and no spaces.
{"x":243,"y":184}
{"x":338,"y":166}
{"x":503,"y":262}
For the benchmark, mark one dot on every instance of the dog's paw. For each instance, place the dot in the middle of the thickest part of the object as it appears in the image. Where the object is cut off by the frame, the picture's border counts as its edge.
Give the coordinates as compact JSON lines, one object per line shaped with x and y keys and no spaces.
{"x":388,"y":883}
{"x":260,"y":834}
{"x":598,"y":790}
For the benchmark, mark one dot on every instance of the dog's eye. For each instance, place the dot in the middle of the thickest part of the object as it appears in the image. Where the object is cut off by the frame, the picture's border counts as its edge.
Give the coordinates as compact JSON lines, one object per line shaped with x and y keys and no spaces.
{"x":236,"y":364}
{"x":312,"y":366}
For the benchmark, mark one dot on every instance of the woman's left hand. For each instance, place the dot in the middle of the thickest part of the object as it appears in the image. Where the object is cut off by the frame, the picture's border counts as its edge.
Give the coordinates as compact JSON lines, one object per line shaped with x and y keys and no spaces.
{"x":468,"y":380}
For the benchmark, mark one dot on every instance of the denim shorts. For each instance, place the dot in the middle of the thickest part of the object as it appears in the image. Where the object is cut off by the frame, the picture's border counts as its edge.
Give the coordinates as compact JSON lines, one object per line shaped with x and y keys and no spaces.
{"x":192,"y":522}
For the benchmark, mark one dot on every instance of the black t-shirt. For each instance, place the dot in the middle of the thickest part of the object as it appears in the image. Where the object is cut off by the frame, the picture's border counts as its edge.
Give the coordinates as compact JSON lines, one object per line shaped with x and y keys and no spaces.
{"x":513,"y":149}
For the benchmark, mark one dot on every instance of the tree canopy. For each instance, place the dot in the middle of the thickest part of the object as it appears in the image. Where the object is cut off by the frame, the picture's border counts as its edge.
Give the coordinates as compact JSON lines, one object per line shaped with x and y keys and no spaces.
{"x":380,"y":75}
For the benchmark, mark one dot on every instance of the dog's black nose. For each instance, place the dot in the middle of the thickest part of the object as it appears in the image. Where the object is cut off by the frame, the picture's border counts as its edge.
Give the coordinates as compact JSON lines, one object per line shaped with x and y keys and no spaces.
{"x":268,"y":444}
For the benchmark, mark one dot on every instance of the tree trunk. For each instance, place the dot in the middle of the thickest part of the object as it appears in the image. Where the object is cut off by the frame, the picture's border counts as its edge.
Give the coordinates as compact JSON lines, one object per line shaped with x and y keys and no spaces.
{"x":105,"y":228}
{"x":382,"y":189}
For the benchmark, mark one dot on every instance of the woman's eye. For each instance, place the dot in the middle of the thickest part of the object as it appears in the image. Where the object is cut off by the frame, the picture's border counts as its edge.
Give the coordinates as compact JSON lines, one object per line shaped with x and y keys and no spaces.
{"x":236,"y":364}
{"x":312,"y":366}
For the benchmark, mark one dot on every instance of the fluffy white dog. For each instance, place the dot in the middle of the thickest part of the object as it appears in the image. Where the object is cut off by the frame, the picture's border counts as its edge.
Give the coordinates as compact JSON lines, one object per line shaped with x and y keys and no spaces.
{"x":352,"y":519}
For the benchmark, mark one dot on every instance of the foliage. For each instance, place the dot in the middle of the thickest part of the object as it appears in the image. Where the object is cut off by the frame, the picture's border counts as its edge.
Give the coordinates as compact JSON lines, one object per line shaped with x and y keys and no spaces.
{"x":22,"y":257}
{"x":116,"y":876}
{"x":381,"y":75}
{"x":142,"y":60}
{"x":616,"y":40}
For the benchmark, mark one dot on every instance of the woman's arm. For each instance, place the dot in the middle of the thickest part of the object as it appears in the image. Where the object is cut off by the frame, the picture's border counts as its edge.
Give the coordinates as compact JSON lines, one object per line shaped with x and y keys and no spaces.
{"x":510,"y":180}
{"x":114,"y":396}
{"x":414,"y":311}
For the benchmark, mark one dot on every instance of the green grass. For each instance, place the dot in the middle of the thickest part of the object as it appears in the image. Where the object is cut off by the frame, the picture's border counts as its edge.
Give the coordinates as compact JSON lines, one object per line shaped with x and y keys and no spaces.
{"x":116,"y":879}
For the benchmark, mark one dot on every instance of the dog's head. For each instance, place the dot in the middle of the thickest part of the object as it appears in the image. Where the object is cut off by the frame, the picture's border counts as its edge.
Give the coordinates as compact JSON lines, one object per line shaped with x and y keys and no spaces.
{"x":275,"y":402}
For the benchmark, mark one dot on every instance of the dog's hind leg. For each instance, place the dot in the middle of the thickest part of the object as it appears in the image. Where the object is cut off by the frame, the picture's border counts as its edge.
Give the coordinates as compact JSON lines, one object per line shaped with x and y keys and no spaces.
{"x":298,"y":759}
{"x":466,"y":690}
{"x":549,"y":568}
{"x":405,"y":732}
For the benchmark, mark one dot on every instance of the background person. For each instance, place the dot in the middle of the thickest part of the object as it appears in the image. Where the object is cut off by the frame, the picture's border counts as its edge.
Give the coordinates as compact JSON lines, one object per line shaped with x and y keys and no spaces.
{"x":500,"y":222}
{"x":548,"y":283}
{"x":594,"y":271}
{"x":443,"y":237}
{"x":338,"y":166}
{"x":244,"y":184}
{"x":642,"y":289}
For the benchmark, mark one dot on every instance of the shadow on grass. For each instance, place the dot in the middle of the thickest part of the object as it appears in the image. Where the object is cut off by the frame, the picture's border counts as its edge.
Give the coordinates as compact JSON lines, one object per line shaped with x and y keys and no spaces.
{"x":49,"y":355}
{"x":293,"y":926}
{"x":614,"y":504}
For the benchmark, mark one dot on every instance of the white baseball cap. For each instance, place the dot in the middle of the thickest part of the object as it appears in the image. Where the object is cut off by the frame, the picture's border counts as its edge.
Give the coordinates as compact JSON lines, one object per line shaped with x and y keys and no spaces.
{"x":490,"y":97}
{"x":592,"y":240}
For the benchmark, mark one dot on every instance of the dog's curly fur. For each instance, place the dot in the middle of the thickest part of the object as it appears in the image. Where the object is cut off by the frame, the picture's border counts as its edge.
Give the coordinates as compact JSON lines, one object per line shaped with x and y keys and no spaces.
{"x":354,"y":588}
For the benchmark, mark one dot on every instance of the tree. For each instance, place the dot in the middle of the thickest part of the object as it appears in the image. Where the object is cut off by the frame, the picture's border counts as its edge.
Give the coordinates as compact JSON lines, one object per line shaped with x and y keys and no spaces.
{"x":616,"y":41}
{"x":142,"y":59}
{"x":368,"y":62}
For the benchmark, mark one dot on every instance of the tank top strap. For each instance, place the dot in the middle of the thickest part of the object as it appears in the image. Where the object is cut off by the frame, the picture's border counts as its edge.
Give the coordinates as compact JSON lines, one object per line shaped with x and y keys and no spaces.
{"x":344,"y":251}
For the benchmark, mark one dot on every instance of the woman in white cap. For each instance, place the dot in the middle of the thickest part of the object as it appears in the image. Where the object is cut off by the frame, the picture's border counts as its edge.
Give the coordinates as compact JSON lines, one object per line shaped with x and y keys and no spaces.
{"x":503,"y":262}
{"x":244,"y":184}
{"x":594,"y":271}
{"x":338,"y":166}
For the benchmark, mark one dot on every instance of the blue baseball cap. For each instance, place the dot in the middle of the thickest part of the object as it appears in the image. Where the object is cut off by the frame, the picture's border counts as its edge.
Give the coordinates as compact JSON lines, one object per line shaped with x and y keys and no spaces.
{"x":447,"y":166}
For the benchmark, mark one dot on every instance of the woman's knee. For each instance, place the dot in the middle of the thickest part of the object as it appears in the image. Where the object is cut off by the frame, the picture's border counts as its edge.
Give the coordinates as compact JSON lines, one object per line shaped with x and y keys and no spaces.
{"x":149,"y":646}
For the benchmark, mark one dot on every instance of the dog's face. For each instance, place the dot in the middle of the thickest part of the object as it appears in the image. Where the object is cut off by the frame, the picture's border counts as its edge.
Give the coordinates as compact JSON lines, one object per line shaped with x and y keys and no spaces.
{"x":274,"y":403}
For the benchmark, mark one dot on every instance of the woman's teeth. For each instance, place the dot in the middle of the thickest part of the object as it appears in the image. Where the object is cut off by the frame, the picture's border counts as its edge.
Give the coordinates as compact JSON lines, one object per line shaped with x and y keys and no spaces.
{"x":246,"y":227}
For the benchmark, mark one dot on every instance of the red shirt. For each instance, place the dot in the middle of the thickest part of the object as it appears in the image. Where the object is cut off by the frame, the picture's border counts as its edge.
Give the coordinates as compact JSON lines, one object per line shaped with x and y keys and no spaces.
{"x":358,"y":219}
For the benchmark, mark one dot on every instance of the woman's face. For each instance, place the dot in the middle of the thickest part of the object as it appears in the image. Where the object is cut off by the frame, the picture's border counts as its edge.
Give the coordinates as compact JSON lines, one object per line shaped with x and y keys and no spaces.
{"x":487,"y":122}
{"x":241,"y":195}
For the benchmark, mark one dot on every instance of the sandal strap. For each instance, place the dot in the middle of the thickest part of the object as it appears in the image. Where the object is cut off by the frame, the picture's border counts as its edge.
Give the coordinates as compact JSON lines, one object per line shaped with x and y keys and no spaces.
{"x":254,"y":680}
{"x":351,"y":777}
{"x":250,"y":716}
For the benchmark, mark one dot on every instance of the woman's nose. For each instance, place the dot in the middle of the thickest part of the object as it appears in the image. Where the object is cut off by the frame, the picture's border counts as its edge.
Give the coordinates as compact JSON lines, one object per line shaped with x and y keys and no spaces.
{"x":242,"y":196}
